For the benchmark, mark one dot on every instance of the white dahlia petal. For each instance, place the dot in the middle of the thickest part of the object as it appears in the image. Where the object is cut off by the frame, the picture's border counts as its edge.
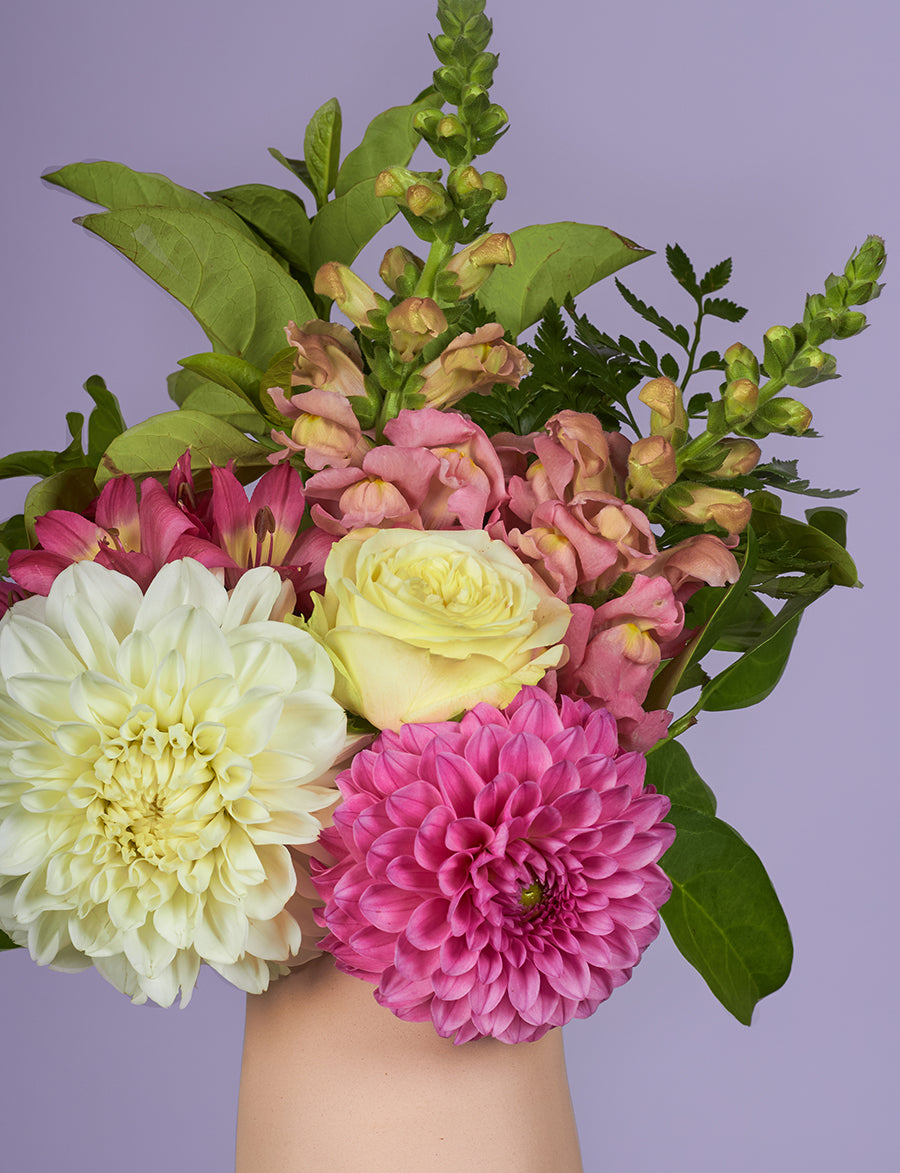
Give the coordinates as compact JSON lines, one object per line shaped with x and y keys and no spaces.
{"x":157,"y":754}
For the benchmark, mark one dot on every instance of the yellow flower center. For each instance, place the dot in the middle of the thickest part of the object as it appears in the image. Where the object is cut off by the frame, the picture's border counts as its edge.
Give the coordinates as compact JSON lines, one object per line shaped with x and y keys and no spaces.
{"x":531,"y":896}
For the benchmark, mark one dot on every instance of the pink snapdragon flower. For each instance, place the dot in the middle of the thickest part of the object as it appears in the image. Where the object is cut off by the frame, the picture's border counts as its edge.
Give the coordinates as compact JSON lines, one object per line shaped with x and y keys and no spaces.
{"x":497,"y":876}
{"x":614,"y":651}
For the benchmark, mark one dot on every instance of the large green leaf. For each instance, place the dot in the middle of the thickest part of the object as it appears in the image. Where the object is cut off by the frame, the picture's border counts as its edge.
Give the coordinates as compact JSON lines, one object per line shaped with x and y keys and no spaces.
{"x":754,"y":675}
{"x":553,"y":261}
{"x":73,"y":489}
{"x":278,"y":215}
{"x":152,"y":447}
{"x":322,"y":148}
{"x":723,"y":913}
{"x":240,"y":296}
{"x":115,"y":186}
{"x":389,"y":141}
{"x":226,"y":405}
{"x":347,"y":223}
{"x":671,"y":771}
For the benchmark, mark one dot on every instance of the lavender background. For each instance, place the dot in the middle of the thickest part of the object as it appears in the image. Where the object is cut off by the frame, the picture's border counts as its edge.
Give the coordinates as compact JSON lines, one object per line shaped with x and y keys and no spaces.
{"x":765,"y":131}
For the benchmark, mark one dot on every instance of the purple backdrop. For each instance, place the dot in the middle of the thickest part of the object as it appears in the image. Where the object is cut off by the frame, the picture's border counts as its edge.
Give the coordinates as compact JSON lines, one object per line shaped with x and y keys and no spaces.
{"x":766,"y":132}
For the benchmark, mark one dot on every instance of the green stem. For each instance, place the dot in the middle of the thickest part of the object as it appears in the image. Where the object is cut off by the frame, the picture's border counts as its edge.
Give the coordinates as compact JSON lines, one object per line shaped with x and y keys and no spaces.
{"x":438,"y":255}
{"x":692,"y":353}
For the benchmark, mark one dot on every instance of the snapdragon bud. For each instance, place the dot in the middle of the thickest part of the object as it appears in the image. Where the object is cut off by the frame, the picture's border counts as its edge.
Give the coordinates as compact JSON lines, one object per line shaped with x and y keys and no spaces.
{"x":413,"y":323}
{"x":780,"y":347}
{"x":784,"y":415}
{"x":810,"y":366}
{"x":668,"y":417}
{"x":740,"y":398}
{"x":398,"y":265}
{"x":474,"y":264}
{"x":740,"y":458}
{"x":428,"y":200}
{"x":741,"y":363}
{"x":651,"y":468}
{"x":707,"y":505}
{"x":353,"y":296}
{"x":863,"y":270}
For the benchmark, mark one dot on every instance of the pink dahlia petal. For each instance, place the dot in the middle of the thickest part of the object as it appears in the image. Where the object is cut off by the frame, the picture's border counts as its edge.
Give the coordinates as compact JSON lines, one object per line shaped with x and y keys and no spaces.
{"x":498,"y":876}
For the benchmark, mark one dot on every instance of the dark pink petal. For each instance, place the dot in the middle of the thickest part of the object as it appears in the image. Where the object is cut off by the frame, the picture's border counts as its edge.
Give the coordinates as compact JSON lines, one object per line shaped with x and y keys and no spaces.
{"x":456,"y":956}
{"x":427,"y":926}
{"x":408,"y":806}
{"x":386,"y":908}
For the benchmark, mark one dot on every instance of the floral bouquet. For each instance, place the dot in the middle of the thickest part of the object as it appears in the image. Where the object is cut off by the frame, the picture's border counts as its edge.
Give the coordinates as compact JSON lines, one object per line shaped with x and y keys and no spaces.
{"x":415,"y":700}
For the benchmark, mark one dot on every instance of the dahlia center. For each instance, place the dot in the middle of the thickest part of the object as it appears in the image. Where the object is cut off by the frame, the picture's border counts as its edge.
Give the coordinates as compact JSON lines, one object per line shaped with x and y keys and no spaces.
{"x":531,"y":896}
{"x":147,"y":785}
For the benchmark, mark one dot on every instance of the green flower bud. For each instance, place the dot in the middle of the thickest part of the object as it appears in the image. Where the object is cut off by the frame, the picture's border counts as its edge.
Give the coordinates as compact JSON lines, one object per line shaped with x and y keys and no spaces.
{"x":850,"y":323}
{"x":739,"y":458}
{"x":780,"y":347}
{"x":494,"y":184}
{"x":740,"y":363}
{"x":784,"y":415}
{"x":667,"y":415}
{"x":393,"y":182}
{"x":863,"y":270}
{"x":399,"y":265}
{"x":740,"y":398}
{"x":810,"y":366}
{"x":651,"y":468}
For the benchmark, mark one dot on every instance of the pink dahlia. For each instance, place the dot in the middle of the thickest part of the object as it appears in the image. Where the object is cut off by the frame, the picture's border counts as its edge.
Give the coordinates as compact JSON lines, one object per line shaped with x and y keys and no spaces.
{"x":497,"y":875}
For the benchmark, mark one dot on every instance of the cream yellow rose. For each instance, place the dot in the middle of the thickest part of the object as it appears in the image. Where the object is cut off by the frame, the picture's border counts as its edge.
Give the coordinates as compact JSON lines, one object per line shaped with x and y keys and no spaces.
{"x":423,"y":625}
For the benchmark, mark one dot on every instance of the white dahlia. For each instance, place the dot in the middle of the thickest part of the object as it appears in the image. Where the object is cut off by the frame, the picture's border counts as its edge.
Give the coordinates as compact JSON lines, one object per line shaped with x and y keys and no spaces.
{"x":158,"y":752}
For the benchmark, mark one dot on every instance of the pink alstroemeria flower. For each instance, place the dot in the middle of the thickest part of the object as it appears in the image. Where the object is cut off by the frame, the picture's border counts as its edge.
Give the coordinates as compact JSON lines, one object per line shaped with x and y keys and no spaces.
{"x":134,"y":539}
{"x":265,"y":530}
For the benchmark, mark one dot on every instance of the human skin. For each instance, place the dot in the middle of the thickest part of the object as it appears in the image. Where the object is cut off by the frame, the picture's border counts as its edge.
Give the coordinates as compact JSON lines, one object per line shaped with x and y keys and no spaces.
{"x":332,"y":1080}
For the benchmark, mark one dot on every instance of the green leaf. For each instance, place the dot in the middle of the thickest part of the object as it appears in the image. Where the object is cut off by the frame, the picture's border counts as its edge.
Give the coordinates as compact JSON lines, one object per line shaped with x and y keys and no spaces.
{"x":227,"y":405}
{"x":717,"y":277}
{"x":105,"y":421}
{"x":73,"y":489}
{"x":322,"y":148}
{"x":37,"y":463}
{"x":345,"y":225}
{"x":6,"y":942}
{"x":240,"y":296}
{"x":678,"y":334}
{"x":115,"y":186}
{"x":296,"y":167}
{"x":151,"y":448}
{"x":830,"y":521}
{"x":722,"y":605}
{"x":807,"y":543}
{"x":553,"y":262}
{"x":721,"y":307}
{"x":754,"y":675}
{"x":681,"y":268}
{"x":389,"y":141}
{"x":671,"y":771}
{"x":723,"y":914}
{"x":278,"y":215}
{"x":182,"y":382}
{"x":227,"y":370}
{"x":13,"y":536}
